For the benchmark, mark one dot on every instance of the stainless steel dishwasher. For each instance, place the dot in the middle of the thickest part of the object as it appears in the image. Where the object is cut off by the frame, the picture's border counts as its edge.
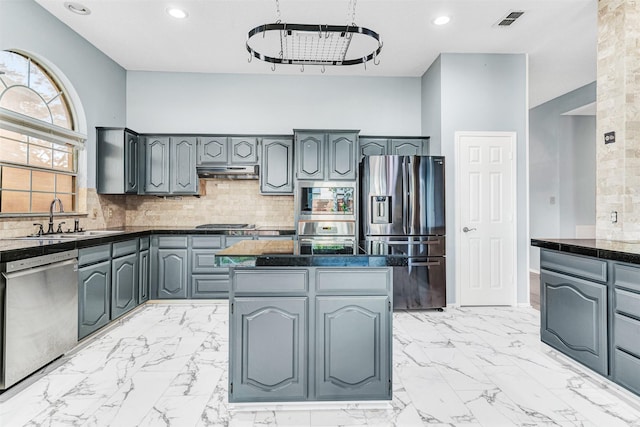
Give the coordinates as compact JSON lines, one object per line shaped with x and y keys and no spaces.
{"x":38,"y":313}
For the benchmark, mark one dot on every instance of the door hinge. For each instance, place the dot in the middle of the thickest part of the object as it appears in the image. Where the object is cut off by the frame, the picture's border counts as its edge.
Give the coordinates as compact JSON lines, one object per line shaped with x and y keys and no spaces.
{"x":390,"y":385}
{"x":231,"y":388}
{"x":389,"y":304}
{"x":231,"y":308}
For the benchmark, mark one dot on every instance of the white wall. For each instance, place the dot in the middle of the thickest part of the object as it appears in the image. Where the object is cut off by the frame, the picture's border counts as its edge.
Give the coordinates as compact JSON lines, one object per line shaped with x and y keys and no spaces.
{"x":229,"y":103}
{"x":562,"y":166}
{"x":432,"y":106}
{"x":483,"y":92}
{"x":96,"y":83}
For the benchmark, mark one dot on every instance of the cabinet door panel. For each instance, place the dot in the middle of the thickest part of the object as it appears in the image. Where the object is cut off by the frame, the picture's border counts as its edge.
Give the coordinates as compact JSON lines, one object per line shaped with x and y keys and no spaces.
{"x":143,"y":277}
{"x":373,"y":147}
{"x":172,"y":273}
{"x":132,"y":162}
{"x":184,"y":179}
{"x":244,"y":150}
{"x":124,"y":276}
{"x":264,"y":371}
{"x":94,"y":285}
{"x":574,"y":318}
{"x":156,"y":165}
{"x":310,"y":156}
{"x":342,"y":156}
{"x":212,"y":150}
{"x":210,"y":286}
{"x":352,"y":347}
{"x":408,"y":147}
{"x":276,"y":170}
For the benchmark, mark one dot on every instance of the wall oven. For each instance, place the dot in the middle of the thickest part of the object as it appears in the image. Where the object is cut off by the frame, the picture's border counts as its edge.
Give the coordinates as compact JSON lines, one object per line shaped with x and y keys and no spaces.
{"x":326,"y":214}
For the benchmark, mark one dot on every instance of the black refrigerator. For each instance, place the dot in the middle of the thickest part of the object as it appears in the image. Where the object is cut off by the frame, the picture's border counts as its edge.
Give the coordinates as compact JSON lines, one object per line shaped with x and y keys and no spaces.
{"x":403,"y":212}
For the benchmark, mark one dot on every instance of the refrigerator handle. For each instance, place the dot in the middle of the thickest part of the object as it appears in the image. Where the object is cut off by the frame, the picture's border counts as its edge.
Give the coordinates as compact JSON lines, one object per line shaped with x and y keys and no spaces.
{"x":405,"y":196}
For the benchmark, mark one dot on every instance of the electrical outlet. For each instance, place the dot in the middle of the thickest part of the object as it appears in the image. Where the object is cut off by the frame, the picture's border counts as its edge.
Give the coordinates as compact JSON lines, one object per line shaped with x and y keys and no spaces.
{"x":94,"y":213}
{"x":609,"y":137}
{"x":552,"y":200}
{"x":614,"y":217}
{"x":110,"y":212}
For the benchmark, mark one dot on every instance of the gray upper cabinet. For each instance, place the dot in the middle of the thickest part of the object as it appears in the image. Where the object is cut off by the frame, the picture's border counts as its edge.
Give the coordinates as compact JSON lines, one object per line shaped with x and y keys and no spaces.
{"x":408,"y":147}
{"x":156,"y":165}
{"x":212,"y":150}
{"x":342,"y":156}
{"x":223,"y":150}
{"x":170,"y":165}
{"x":117,"y":168}
{"x":379,"y":146}
{"x":183,"y":166}
{"x":276,"y":166}
{"x":325,"y":156}
{"x":244,"y":150}
{"x":310,"y":150}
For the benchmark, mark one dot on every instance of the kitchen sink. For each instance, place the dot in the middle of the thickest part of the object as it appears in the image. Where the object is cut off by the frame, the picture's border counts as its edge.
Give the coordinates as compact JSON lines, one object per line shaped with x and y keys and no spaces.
{"x":70,"y":236}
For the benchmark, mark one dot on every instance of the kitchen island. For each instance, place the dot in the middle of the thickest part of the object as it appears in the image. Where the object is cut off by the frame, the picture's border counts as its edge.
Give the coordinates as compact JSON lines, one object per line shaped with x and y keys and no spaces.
{"x":308,"y":328}
{"x":590,"y":304}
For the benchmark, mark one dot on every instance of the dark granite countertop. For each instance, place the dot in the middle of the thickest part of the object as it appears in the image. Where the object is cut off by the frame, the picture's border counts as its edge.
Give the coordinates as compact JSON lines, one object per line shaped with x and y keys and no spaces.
{"x":623,"y":251}
{"x":14,"y":249}
{"x":284,"y":254}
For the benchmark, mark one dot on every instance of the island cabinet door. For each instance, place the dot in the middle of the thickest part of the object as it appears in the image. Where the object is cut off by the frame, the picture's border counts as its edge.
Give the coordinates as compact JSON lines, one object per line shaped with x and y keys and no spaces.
{"x":268,"y":360}
{"x":352,"y":347}
{"x":574,"y":318}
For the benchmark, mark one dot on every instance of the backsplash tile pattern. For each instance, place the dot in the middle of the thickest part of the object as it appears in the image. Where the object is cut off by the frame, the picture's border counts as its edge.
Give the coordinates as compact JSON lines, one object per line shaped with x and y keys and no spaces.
{"x":618,"y":97}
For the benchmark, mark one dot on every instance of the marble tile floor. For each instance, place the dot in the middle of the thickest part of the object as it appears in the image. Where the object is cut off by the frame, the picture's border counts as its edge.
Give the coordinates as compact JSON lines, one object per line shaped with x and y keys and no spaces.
{"x":166,"y":365}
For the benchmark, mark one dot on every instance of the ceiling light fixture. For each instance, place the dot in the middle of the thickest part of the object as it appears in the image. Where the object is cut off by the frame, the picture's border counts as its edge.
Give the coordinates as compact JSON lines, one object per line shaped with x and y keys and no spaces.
{"x":314,"y":44}
{"x":441,"y":20}
{"x":77,"y":8}
{"x":176,"y":12}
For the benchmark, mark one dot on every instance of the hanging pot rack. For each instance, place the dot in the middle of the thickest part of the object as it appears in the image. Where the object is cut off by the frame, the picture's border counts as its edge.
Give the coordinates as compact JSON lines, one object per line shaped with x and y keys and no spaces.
{"x":310,"y":44}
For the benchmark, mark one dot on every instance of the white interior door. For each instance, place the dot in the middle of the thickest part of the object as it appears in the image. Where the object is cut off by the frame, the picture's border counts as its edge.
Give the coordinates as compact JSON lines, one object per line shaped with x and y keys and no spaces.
{"x":485,"y":218}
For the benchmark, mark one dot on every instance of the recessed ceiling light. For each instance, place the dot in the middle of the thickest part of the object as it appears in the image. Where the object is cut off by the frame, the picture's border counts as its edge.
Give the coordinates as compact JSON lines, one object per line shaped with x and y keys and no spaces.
{"x":77,"y":8}
{"x":441,"y":20}
{"x":177,"y":13}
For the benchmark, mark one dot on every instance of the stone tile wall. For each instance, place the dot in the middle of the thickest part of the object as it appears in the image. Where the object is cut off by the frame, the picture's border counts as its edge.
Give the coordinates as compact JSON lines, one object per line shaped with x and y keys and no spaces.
{"x":618,"y":109}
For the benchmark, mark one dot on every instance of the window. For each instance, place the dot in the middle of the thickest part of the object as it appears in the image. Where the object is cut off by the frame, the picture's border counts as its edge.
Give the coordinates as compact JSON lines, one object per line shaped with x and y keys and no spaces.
{"x":38,"y":142}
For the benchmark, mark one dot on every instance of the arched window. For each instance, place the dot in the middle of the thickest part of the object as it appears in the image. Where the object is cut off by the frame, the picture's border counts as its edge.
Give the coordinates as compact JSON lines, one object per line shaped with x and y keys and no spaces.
{"x":38,"y":139}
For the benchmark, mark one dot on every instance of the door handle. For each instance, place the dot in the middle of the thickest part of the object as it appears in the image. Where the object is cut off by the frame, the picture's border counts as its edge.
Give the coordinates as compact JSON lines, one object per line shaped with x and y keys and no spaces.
{"x":467,"y":229}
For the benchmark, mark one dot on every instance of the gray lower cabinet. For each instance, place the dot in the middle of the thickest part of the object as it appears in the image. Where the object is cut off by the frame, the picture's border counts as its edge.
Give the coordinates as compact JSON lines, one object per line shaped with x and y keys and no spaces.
{"x":574,"y":318}
{"x":626,"y":326}
{"x":172,"y":273}
{"x":143,"y":276}
{"x":207,"y":280}
{"x":94,"y":289}
{"x":332,"y":327}
{"x":94,"y":295}
{"x":264,"y":371}
{"x":276,"y":166}
{"x":352,"y":342}
{"x":124,"y":273}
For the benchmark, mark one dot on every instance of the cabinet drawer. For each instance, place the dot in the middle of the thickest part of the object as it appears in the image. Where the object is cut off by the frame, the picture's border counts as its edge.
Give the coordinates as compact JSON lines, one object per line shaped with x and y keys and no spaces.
{"x":94,"y":254}
{"x":277,"y":281}
{"x":626,"y":334}
{"x":207,"y":242}
{"x":144,"y":243}
{"x":627,"y":302}
{"x":204,"y":261}
{"x":588,"y":268}
{"x":341,"y":281}
{"x":125,"y":248}
{"x":210,"y":286}
{"x":173,"y":241}
{"x":626,"y":276}
{"x":626,"y":370}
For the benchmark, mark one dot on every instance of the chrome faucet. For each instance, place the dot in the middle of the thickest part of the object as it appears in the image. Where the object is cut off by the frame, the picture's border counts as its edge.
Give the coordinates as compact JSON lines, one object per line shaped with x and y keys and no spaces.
{"x":53,"y":203}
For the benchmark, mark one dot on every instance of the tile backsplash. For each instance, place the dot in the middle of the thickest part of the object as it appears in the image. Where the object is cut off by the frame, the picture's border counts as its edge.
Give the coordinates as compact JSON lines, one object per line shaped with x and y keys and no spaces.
{"x":225,"y":201}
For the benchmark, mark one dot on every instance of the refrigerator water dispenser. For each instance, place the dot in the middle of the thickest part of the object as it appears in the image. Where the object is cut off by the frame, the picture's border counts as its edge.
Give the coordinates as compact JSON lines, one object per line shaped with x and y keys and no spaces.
{"x":380,"y":209}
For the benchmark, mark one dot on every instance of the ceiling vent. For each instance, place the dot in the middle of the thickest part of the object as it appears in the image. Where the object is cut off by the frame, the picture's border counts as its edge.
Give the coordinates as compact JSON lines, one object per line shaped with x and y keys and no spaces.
{"x":509,"y":19}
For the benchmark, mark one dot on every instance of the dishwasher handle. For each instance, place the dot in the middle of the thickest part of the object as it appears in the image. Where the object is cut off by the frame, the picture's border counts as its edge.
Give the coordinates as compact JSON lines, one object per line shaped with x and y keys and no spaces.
{"x":27,"y":271}
{"x":423,"y":263}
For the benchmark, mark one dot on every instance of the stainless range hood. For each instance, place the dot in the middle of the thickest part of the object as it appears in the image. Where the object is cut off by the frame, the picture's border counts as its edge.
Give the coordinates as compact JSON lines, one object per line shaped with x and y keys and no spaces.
{"x":228,"y":172}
